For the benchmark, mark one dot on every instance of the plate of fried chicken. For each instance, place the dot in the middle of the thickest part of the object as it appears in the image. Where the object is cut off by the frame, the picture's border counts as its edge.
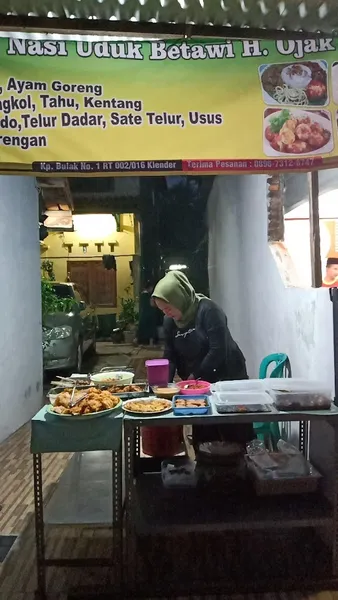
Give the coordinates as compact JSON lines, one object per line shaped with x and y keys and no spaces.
{"x":83,"y":404}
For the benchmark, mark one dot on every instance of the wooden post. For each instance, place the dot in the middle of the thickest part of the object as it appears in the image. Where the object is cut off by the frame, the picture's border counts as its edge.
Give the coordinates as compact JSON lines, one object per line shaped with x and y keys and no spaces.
{"x":316,"y":264}
{"x":276,"y":208}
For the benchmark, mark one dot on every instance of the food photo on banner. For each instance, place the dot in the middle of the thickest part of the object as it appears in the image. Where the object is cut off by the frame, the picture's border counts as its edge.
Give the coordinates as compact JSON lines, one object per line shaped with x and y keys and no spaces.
{"x":329,"y":248}
{"x":121,"y":106}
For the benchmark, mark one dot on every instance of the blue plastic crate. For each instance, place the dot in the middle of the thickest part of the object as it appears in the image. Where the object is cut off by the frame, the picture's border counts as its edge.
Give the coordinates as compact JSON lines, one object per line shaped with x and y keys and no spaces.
{"x":191,"y":411}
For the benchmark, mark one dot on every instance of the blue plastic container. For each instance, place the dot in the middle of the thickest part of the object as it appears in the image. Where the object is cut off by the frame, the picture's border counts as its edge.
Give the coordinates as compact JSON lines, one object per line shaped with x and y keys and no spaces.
{"x":203,"y":410}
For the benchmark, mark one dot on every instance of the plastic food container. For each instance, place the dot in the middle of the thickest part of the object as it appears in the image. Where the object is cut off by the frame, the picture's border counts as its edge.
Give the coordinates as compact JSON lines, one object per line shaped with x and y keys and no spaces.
{"x":182,"y":474}
{"x":203,"y":387}
{"x":296,"y":395}
{"x":242,"y":385}
{"x":158,"y":372}
{"x":226,"y":409}
{"x":191,"y":410}
{"x":291,"y":382}
{"x":78,"y":377}
{"x":248,"y":398}
{"x":267,"y":486}
{"x":113,"y":377}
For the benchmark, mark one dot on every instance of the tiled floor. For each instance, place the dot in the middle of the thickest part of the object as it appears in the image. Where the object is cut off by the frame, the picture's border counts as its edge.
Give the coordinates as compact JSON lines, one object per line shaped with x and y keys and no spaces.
{"x":17,"y":579}
{"x":6,"y":544}
{"x":17,"y":573}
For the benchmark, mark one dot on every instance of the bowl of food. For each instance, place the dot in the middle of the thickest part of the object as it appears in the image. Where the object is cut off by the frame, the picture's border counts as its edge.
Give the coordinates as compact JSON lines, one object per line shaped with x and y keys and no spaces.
{"x":110,"y":378}
{"x":191,"y":387}
{"x":167,"y":392}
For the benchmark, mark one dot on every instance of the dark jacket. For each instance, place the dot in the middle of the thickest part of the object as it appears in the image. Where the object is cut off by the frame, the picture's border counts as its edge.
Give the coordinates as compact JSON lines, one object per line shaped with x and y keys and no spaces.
{"x":205,"y":348}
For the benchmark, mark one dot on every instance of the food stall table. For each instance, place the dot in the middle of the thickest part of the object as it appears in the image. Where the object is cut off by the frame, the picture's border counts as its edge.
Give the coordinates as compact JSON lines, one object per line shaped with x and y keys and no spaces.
{"x":52,"y":434}
{"x":156,"y":513}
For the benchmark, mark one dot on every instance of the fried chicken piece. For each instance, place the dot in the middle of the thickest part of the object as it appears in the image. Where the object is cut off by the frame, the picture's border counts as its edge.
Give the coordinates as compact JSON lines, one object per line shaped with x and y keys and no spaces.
{"x":107,"y":403}
{"x":94,"y":405}
{"x":93,"y":396}
{"x":63,"y":399}
{"x":110,"y":403}
{"x":133,"y":388}
{"x":105,"y":395}
{"x":124,"y":389}
{"x":118,"y":389}
{"x":60,"y":410}
{"x":195,"y":403}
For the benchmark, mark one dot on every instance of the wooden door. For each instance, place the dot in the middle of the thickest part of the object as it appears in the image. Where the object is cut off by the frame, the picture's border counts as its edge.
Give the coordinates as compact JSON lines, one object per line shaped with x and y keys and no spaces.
{"x":79,"y":273}
{"x":99,"y":285}
{"x":102,"y":285}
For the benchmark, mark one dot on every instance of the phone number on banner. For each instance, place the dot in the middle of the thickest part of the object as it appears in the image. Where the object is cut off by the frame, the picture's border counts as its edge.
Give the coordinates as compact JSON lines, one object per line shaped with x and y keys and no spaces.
{"x":176,"y":166}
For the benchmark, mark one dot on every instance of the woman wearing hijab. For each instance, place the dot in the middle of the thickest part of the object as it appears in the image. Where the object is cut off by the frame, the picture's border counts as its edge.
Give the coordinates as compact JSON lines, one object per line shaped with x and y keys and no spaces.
{"x":199,"y":345}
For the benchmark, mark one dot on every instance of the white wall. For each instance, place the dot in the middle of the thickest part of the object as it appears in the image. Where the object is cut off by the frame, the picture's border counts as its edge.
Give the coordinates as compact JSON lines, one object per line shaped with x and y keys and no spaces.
{"x":264,"y":316}
{"x":297,"y":189}
{"x":20,"y":304}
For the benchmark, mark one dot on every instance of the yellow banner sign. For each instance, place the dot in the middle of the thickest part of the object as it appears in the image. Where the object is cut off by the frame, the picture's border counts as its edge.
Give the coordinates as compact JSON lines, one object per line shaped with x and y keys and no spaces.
{"x":208,"y":106}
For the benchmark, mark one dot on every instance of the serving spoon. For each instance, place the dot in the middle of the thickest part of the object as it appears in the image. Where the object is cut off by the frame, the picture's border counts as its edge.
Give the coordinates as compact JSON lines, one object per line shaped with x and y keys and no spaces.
{"x":186,"y":387}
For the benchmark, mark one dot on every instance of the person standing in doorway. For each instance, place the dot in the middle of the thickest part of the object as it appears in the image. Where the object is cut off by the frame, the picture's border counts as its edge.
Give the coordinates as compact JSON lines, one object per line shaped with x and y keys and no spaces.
{"x":148,"y":318}
{"x":331,"y":275}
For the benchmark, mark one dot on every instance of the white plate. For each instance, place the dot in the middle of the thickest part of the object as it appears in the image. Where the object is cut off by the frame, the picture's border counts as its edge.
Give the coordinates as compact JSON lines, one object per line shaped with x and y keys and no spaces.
{"x":94,"y":415}
{"x":134,"y":412}
{"x":300,"y":114}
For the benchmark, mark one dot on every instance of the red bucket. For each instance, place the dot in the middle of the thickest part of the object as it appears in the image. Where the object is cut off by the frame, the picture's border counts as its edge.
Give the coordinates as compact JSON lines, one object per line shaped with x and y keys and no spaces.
{"x":161,"y":442}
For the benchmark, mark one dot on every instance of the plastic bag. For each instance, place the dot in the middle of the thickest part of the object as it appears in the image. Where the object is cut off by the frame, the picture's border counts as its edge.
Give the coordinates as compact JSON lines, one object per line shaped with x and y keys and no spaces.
{"x":179,"y":475}
{"x":259,"y":455}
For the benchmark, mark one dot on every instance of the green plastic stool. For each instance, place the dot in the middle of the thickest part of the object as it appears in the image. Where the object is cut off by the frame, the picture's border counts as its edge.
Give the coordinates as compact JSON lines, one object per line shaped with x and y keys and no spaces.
{"x":282,"y":368}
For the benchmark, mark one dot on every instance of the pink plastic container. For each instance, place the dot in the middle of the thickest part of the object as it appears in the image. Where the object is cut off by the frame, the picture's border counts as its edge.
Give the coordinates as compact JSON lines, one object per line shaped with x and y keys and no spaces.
{"x":202,"y":390}
{"x":158,"y":371}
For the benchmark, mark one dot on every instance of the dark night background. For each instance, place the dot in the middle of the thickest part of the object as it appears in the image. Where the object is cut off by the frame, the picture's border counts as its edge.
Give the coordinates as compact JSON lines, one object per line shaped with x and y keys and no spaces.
{"x":174,"y":227}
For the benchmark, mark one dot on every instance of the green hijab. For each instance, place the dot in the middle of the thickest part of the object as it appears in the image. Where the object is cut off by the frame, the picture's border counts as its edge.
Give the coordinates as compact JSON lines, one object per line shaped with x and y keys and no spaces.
{"x":176,"y":289}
